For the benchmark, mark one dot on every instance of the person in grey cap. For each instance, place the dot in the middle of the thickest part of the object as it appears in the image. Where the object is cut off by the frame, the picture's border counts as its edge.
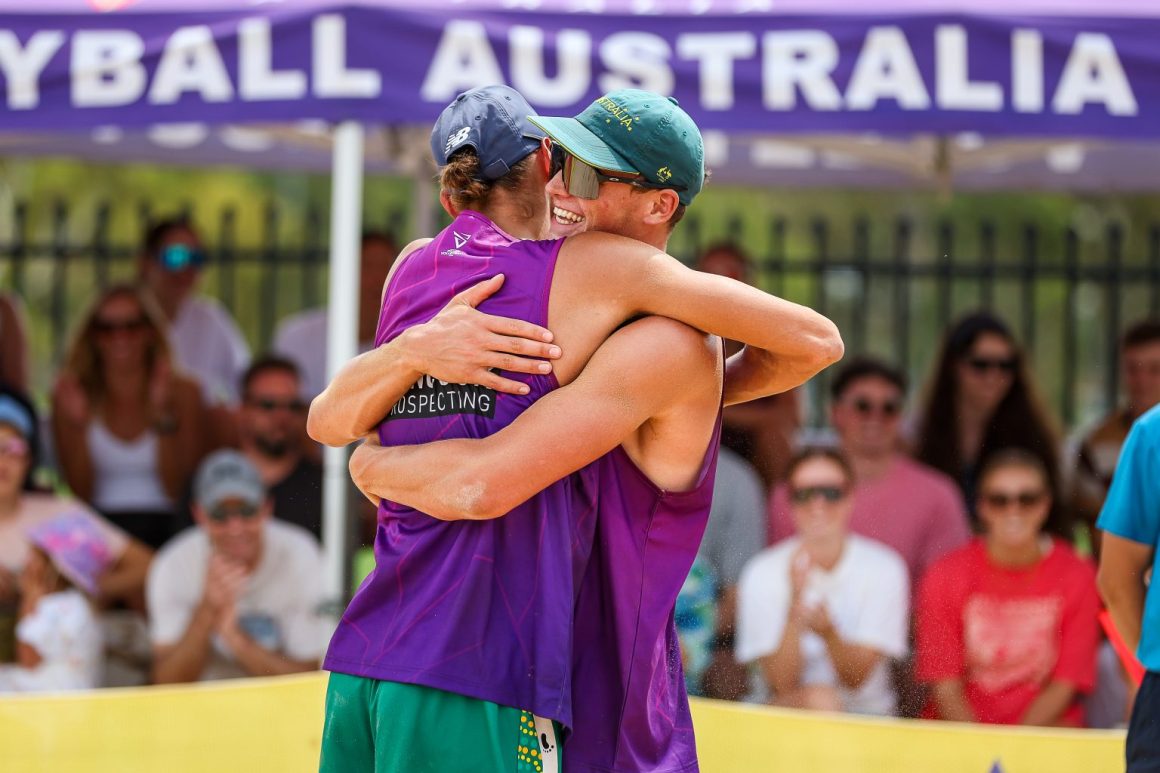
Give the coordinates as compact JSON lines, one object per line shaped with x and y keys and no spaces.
{"x":237,"y":594}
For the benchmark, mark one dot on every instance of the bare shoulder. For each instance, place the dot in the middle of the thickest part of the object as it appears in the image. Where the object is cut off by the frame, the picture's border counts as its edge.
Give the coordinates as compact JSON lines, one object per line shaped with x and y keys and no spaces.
{"x":667,"y":344}
{"x":608,"y":250}
{"x":413,"y":246}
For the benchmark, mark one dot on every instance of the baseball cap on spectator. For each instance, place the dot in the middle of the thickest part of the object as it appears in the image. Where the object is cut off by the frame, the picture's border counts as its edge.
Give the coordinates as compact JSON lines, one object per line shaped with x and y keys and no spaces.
{"x":227,"y":475}
{"x":76,"y":547}
{"x":494,"y":120}
{"x":638,"y":132}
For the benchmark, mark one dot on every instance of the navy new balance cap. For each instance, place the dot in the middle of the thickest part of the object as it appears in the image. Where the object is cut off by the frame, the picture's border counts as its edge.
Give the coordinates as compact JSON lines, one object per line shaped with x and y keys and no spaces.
{"x":494,"y":121}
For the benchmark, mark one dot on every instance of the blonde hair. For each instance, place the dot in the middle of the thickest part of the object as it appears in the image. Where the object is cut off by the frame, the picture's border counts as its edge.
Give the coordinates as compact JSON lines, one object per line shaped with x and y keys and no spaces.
{"x":83,"y":359}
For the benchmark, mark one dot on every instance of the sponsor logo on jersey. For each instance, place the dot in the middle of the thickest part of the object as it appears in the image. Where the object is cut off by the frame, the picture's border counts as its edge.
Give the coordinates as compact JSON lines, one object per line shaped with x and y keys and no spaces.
{"x":429,"y":397}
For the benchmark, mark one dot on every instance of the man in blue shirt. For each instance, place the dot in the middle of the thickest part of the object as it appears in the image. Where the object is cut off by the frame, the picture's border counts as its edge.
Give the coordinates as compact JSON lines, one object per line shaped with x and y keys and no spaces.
{"x":1130,"y":520}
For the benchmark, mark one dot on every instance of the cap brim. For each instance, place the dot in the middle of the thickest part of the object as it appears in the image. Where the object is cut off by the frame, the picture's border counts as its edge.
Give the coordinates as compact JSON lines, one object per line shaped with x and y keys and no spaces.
{"x":231,"y":490}
{"x":575,"y":138}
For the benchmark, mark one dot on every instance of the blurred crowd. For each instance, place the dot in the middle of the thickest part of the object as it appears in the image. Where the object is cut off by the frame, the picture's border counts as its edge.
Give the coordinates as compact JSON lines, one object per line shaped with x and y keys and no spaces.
{"x":930,"y":560}
{"x":161,"y":524}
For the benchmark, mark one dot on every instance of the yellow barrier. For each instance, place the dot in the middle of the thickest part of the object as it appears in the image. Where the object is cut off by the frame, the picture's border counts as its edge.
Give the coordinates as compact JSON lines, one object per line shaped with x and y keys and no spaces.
{"x":274,"y":725}
{"x":732,"y":737}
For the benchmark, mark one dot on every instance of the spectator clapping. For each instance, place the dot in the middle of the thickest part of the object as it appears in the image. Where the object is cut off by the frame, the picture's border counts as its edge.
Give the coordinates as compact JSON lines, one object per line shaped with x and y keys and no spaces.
{"x":238,"y":594}
{"x":823,"y":612}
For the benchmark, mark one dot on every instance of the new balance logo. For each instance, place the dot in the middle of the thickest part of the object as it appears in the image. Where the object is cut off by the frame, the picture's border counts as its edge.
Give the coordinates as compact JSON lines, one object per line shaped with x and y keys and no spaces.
{"x":456,"y":139}
{"x":460,"y":239}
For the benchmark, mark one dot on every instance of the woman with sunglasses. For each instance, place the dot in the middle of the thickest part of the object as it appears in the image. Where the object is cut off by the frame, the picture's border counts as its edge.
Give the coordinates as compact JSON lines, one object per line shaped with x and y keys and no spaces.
{"x":982,"y":399}
{"x":823,"y":612}
{"x":1007,"y":626}
{"x":128,"y":429}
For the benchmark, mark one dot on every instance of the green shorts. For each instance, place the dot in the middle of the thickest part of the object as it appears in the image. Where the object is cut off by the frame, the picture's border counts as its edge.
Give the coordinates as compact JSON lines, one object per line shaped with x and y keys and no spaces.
{"x":388,"y":727}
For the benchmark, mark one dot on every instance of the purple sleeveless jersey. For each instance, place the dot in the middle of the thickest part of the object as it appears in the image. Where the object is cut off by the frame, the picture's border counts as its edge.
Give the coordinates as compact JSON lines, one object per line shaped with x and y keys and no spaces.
{"x":480,"y":608}
{"x":628,"y":688}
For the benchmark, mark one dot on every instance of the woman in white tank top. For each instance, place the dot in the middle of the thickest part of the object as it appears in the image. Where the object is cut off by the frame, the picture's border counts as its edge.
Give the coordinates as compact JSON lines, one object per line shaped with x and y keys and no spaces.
{"x":128,"y":429}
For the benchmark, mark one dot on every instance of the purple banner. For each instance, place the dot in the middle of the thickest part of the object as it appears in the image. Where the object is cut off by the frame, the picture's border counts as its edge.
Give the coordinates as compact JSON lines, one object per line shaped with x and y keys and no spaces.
{"x":393,"y":63}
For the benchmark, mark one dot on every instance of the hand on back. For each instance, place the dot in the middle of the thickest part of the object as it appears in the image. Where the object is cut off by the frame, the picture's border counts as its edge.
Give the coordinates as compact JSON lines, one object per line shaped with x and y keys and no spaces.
{"x":462,"y":345}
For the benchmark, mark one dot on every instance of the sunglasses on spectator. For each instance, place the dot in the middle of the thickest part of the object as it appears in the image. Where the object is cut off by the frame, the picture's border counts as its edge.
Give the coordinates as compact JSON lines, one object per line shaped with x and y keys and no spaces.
{"x":583,"y":181}
{"x":223,"y":513}
{"x":806,"y":494}
{"x":997,"y":500}
{"x":113,"y":326}
{"x":888,"y":409}
{"x":14,"y":448}
{"x":269,"y":404}
{"x":177,"y":257}
{"x":983,"y":364}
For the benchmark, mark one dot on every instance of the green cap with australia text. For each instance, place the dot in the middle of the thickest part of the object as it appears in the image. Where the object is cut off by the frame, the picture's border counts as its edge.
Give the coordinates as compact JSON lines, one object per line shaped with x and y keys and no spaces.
{"x":635,"y":131}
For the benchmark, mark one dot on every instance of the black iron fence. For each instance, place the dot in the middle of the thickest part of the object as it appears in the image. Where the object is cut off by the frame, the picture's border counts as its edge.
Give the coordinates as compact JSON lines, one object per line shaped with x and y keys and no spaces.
{"x":891,"y":285}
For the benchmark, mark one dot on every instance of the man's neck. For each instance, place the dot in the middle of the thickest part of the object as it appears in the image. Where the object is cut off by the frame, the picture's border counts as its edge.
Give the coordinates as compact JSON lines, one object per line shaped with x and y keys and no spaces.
{"x":653,"y":236}
{"x":511,"y":214}
{"x":869,"y":468}
{"x":272,"y":469}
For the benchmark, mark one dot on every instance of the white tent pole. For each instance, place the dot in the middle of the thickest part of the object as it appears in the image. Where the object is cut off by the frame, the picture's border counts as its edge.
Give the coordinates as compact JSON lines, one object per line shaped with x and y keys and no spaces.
{"x":341,"y":332}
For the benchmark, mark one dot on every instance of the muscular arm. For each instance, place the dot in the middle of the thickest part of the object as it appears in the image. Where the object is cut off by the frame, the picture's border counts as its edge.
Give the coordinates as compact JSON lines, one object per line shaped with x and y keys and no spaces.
{"x":559,"y":434}
{"x":459,"y":345}
{"x":786,"y":343}
{"x":1121,"y":582}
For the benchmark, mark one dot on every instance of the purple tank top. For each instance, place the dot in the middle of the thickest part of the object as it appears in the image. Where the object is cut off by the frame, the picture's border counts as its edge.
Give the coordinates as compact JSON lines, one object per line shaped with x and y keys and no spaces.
{"x":480,"y":608}
{"x":630,"y":709}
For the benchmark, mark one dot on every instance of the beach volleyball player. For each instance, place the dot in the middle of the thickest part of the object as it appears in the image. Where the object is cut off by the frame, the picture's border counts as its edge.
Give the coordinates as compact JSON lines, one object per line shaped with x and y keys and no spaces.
{"x":455,"y":654}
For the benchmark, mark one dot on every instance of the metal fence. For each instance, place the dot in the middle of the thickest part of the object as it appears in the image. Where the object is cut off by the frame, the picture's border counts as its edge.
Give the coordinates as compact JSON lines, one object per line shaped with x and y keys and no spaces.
{"x":892,"y":286}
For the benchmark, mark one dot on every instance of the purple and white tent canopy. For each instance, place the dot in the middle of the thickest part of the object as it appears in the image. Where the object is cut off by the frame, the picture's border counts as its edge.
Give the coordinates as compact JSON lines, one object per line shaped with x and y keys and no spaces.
{"x":1069,"y":68}
{"x":1021,"y":93}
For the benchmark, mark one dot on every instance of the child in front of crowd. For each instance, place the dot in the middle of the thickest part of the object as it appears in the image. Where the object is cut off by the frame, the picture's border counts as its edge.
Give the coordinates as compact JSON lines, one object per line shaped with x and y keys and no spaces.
{"x":58,"y":638}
